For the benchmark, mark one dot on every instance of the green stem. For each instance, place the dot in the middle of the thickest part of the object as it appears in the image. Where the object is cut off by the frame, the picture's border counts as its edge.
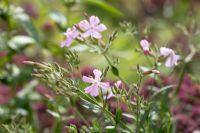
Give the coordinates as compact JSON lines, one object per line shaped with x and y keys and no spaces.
{"x":180,"y":79}
{"x":110,"y":64}
{"x":107,"y":111}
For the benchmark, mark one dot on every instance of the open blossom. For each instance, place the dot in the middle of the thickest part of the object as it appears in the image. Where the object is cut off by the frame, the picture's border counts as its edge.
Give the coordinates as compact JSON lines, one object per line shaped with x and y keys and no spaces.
{"x":145,"y":46}
{"x":71,"y":34}
{"x":92,"y":28}
{"x":172,"y":58}
{"x":96,"y":83}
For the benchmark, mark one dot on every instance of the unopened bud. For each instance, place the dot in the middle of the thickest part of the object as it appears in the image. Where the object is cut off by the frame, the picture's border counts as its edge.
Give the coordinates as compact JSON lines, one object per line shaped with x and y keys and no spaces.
{"x":102,"y":43}
{"x":37,"y":75}
{"x":28,"y":62}
{"x":151,"y":71}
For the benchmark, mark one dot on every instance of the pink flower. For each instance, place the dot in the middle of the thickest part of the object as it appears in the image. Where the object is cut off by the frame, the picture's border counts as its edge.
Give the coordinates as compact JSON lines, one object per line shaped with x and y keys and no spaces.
{"x":71,"y":34}
{"x":92,"y":28}
{"x":145,"y":46}
{"x":110,"y":93}
{"x":172,"y":58}
{"x":93,"y":90}
{"x":118,"y":83}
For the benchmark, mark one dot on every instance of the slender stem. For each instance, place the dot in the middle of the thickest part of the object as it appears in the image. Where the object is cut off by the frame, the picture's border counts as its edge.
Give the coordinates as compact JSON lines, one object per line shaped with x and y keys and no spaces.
{"x":180,"y":79}
{"x":104,"y":109}
{"x":110,"y":64}
{"x":137,"y":115}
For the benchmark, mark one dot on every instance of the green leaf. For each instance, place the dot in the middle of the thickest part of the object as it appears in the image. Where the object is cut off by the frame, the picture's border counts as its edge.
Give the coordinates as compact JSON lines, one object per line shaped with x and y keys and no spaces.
{"x":118,"y":115}
{"x":115,"y":71}
{"x":130,"y":116}
{"x":72,"y":128}
{"x":20,"y":41}
{"x":53,"y":113}
{"x":161,"y":90}
{"x":110,"y":129}
{"x":3,"y":38}
{"x":26,"y":22}
{"x":90,"y":106}
{"x":28,"y":89}
{"x":105,"y":6}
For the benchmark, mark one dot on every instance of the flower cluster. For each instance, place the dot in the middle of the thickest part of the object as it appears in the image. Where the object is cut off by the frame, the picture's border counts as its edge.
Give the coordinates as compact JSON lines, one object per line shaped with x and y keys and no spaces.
{"x":168,"y":53}
{"x":84,"y":29}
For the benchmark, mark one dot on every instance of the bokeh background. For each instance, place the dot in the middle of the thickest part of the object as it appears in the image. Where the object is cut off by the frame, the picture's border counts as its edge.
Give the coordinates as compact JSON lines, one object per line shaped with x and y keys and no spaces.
{"x":33,"y":30}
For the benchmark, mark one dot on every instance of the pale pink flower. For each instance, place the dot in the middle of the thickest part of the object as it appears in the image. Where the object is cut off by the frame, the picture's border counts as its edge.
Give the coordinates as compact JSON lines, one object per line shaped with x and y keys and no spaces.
{"x":92,"y":28}
{"x":110,"y":93}
{"x":172,"y":58}
{"x":145,"y":46}
{"x":118,"y":83}
{"x":93,"y":90}
{"x":71,"y":34}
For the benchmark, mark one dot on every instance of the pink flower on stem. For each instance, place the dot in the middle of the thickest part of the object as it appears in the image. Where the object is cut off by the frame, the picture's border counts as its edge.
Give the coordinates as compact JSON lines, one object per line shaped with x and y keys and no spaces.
{"x":71,"y":34}
{"x":110,"y":93}
{"x":93,"y":90}
{"x":92,"y":28}
{"x":118,"y":83}
{"x":172,"y":58}
{"x":145,"y":46}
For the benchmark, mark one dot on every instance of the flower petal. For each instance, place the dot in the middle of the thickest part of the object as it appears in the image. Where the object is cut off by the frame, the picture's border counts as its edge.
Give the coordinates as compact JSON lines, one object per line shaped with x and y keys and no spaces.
{"x":110,"y":95}
{"x":88,"y":89}
{"x":87,"y":34}
{"x":87,"y":79}
{"x":104,"y":85}
{"x":97,"y":74}
{"x":144,"y":43}
{"x":93,"y":90}
{"x":101,"y":27}
{"x":67,"y":42}
{"x":145,"y":46}
{"x":94,"y":20}
{"x":169,"y":62}
{"x":176,"y":58}
{"x":118,"y":83}
{"x":84,"y":25}
{"x":96,"y":34}
{"x":166,"y":51}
